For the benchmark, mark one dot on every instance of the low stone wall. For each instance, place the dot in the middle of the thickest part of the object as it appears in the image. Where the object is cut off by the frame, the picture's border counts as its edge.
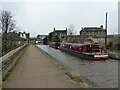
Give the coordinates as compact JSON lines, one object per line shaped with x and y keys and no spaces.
{"x":9,"y":60}
{"x":113,"y":55}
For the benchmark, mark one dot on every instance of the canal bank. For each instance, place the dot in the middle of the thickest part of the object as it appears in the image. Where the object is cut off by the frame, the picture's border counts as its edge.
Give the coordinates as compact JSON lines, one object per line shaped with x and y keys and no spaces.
{"x":103,"y":74}
{"x":114,"y":55}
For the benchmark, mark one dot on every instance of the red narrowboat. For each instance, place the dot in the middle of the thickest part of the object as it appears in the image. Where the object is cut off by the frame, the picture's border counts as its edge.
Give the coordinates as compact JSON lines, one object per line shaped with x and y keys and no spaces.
{"x":86,"y":51}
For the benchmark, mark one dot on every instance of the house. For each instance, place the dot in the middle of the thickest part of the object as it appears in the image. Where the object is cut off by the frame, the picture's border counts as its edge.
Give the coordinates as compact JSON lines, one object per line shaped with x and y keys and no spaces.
{"x":96,"y":34}
{"x":61,"y":32}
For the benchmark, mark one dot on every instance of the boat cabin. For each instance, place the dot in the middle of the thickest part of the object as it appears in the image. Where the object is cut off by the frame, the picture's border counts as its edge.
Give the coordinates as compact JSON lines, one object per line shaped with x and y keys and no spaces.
{"x":81,"y":47}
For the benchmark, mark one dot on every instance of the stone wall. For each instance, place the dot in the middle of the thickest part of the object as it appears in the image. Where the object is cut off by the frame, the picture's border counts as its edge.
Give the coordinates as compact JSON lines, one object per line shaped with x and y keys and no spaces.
{"x":8,"y":59}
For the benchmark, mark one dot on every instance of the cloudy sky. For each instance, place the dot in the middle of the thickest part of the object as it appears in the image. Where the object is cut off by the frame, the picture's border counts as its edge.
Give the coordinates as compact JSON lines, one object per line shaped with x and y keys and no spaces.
{"x":40,"y":17}
{"x":119,"y":18}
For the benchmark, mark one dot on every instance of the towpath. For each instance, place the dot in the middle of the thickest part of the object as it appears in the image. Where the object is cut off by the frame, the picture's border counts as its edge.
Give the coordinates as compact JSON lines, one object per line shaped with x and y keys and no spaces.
{"x":36,"y":70}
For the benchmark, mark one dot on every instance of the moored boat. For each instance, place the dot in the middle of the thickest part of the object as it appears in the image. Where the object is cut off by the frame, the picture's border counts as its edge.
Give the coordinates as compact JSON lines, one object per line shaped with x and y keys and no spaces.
{"x":86,"y":51}
{"x":55,"y":45}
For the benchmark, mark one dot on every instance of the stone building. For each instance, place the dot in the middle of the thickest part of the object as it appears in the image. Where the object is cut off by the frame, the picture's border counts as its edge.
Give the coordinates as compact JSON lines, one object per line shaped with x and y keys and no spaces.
{"x":96,"y":34}
{"x":61,"y":32}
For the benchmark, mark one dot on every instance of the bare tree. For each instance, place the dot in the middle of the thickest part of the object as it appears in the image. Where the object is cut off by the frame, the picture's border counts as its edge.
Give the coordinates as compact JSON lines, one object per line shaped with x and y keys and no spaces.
{"x":71,"y":29}
{"x":7,"y":24}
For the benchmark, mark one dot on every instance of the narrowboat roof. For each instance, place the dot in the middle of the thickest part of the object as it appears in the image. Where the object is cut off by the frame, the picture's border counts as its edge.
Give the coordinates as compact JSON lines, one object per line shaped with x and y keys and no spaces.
{"x":78,"y":44}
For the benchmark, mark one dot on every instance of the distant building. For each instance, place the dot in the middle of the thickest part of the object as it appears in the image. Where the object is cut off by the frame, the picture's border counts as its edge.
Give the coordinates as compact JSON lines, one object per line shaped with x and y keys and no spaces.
{"x":24,"y":35}
{"x":40,"y":38}
{"x":61,"y":32}
{"x":94,"y":32}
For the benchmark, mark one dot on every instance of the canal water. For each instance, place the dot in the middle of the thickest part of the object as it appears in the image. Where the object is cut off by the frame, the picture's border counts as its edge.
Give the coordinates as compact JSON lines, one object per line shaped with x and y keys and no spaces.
{"x":104,"y":74}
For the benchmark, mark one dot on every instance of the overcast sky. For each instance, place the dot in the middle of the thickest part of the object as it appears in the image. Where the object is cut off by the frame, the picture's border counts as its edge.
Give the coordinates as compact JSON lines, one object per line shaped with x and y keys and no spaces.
{"x":119,"y":18}
{"x":40,"y":17}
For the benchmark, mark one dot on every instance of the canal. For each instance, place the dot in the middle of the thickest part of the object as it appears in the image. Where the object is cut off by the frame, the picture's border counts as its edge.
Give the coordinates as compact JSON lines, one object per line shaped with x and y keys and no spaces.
{"x":104,"y":74}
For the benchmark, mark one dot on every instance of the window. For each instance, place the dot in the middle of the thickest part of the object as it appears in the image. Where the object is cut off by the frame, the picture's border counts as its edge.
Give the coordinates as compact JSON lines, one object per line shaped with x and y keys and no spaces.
{"x":84,"y":35}
{"x":95,"y":33}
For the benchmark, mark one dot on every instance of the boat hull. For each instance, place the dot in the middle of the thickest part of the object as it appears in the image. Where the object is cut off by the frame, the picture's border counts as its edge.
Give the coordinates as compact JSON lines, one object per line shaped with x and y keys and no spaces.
{"x":54,"y":45}
{"x":84,"y":55}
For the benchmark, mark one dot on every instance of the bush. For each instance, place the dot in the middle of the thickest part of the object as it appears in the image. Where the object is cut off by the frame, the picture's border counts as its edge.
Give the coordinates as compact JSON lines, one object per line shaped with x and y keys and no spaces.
{"x":45,"y":41}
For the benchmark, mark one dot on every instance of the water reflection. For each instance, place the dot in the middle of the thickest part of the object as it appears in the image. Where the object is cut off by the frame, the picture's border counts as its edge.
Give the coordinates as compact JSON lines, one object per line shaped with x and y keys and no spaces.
{"x":103,"y":73}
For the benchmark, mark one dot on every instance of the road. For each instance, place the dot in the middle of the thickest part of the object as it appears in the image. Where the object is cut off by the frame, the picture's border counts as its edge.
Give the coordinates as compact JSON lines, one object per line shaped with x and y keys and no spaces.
{"x":37,"y":70}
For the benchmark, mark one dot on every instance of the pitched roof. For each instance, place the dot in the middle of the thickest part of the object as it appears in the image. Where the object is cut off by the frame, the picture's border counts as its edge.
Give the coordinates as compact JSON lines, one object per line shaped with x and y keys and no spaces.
{"x":60,"y":31}
{"x":92,"y":29}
